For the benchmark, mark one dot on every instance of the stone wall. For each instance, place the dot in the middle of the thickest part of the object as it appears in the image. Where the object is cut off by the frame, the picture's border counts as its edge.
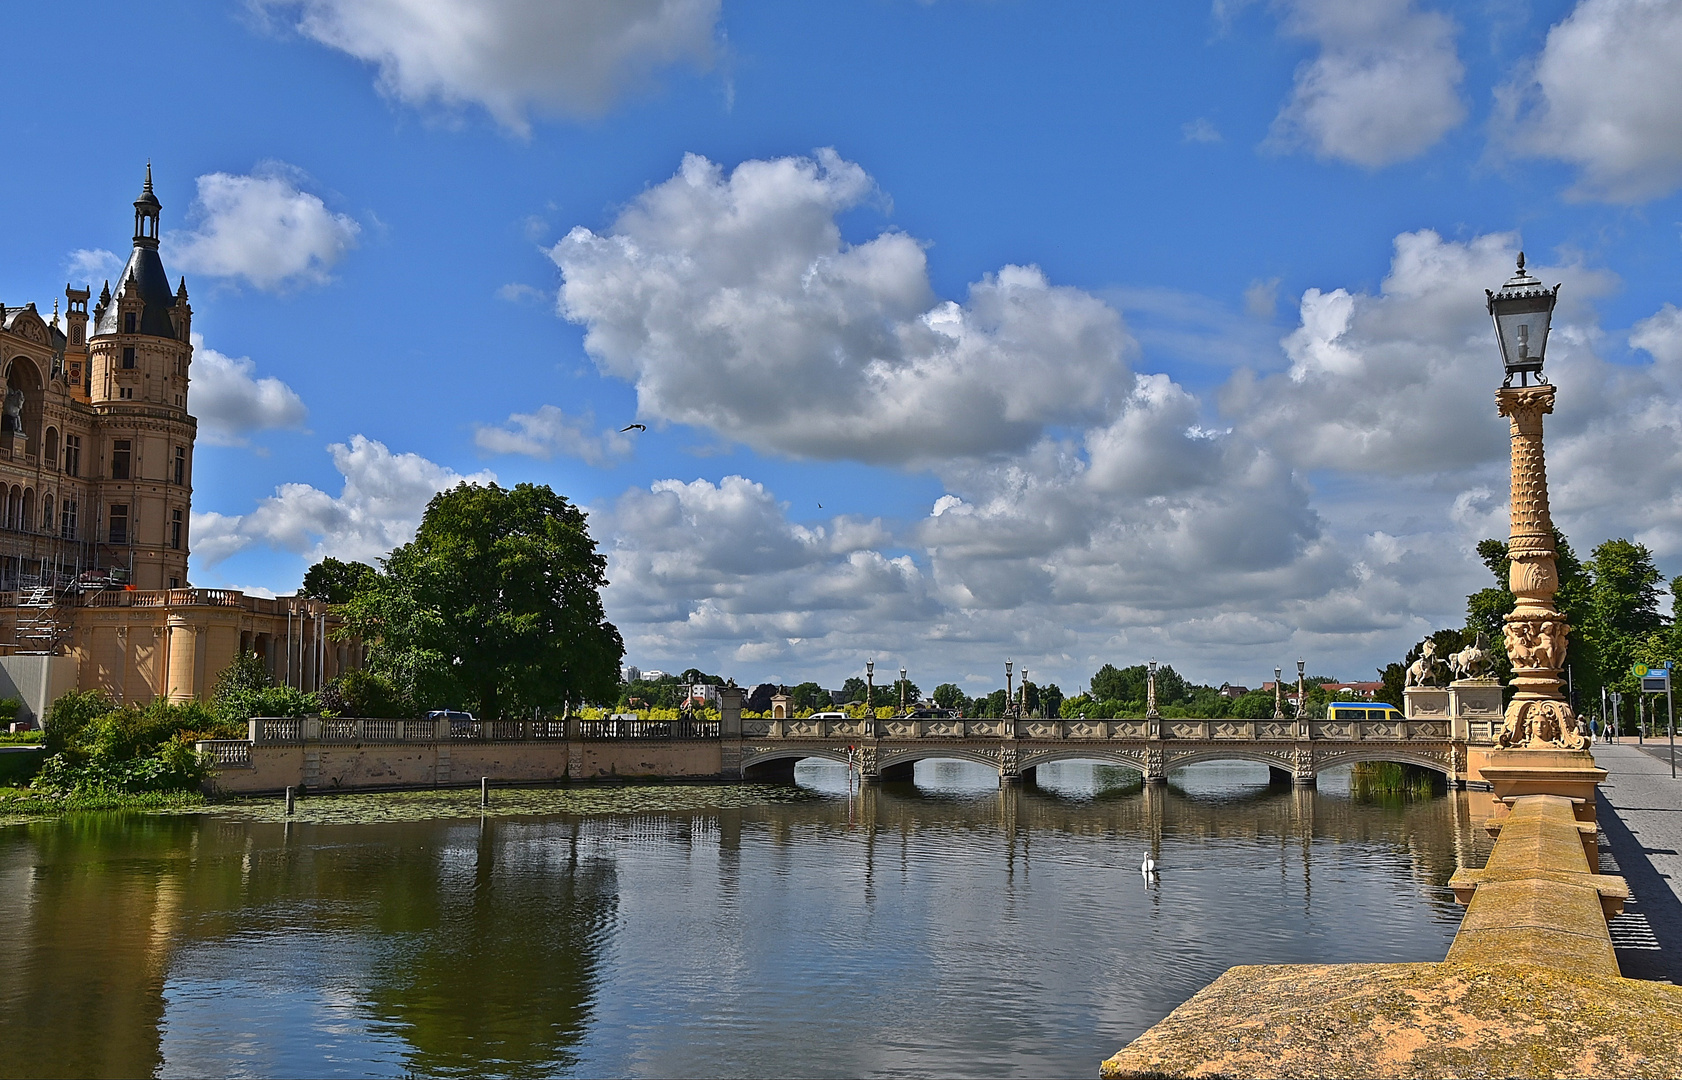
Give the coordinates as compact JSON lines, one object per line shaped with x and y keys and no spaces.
{"x":329,"y":766}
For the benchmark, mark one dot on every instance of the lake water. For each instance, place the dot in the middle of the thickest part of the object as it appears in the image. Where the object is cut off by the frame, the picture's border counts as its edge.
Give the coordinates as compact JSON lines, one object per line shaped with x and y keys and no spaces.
{"x":946,"y":928}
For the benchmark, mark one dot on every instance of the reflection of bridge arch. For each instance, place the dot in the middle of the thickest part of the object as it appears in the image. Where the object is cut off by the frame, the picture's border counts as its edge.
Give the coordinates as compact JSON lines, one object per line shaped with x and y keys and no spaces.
{"x":1394,"y":754}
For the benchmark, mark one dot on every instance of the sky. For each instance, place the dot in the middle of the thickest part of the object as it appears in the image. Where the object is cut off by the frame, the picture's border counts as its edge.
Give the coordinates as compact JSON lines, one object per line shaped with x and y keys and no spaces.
{"x":961,"y":331}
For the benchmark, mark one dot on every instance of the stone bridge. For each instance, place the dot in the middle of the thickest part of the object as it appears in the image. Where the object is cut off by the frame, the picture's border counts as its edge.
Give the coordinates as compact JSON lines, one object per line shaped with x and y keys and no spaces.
{"x":1291,"y":749}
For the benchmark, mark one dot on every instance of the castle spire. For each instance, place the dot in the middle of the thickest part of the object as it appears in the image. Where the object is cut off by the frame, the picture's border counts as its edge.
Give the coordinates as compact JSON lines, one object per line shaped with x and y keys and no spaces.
{"x":146,"y":211}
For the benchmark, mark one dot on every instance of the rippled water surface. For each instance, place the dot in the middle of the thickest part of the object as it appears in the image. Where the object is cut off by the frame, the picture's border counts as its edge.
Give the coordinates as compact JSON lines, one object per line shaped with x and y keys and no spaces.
{"x":942,"y":928}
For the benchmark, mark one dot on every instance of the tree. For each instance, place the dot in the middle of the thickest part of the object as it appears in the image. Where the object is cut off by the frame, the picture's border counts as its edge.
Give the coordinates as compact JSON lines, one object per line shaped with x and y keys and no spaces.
{"x":1051,"y":700}
{"x":496,"y":604}
{"x":809,"y":695}
{"x":853,"y":689}
{"x":759,"y":698}
{"x":335,"y":581}
{"x":889,"y":695}
{"x":949,"y":696}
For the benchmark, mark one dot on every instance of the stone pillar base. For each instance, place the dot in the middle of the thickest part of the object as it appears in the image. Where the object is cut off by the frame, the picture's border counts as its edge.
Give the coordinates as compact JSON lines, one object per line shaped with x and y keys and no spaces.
{"x":1571,"y":774}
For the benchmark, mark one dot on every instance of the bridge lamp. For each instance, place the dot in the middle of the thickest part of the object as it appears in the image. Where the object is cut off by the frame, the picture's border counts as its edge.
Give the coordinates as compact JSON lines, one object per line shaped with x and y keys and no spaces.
{"x":1009,"y":699}
{"x":1523,"y":310}
{"x":902,"y":689}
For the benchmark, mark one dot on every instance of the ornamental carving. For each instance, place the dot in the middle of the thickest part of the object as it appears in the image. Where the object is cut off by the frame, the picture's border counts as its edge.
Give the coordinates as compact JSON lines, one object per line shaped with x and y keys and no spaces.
{"x":1543,"y":724}
{"x":1536,"y":641}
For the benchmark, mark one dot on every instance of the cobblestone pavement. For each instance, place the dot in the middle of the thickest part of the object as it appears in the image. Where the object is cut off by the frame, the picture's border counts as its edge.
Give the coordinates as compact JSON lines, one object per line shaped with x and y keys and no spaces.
{"x":1640,"y":813}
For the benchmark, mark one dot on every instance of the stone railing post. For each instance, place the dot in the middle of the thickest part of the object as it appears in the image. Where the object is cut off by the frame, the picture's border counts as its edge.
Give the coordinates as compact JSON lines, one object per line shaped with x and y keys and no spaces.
{"x":254,"y":730}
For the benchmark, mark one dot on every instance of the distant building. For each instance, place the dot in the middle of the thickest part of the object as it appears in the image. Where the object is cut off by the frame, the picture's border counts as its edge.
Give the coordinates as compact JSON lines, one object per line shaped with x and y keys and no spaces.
{"x":1233,"y":690}
{"x":706,"y":692}
{"x":653,"y":675}
{"x":1366,"y":691}
{"x":632,"y":673}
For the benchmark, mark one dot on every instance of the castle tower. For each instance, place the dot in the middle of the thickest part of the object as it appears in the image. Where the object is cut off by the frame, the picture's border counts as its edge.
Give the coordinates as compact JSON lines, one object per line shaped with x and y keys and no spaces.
{"x":139,"y":356}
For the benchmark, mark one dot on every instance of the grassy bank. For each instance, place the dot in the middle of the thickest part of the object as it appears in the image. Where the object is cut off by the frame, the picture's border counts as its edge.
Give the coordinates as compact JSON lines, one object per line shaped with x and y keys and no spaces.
{"x":31,"y":802}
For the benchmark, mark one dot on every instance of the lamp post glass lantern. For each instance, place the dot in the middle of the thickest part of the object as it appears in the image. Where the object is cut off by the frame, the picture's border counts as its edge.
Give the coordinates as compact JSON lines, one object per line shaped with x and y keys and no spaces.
{"x":1523,"y":310}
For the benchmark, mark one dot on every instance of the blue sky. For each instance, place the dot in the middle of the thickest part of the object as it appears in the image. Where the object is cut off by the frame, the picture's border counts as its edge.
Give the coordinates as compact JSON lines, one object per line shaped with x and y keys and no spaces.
{"x":1099,"y":331}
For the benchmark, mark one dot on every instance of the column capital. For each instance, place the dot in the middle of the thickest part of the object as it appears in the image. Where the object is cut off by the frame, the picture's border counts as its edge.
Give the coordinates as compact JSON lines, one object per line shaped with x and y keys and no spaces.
{"x":1525,"y":403}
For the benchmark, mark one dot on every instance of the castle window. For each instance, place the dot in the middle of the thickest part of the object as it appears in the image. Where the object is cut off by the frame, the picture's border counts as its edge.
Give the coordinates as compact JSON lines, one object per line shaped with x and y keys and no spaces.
{"x":125,"y":392}
{"x":67,"y":519}
{"x":128,"y":328}
{"x":128,"y":354}
{"x":50,"y":453}
{"x":180,"y":464}
{"x":119,"y":463}
{"x":75,"y":335}
{"x":73,"y":455}
{"x":119,"y":523}
{"x":175,"y":528}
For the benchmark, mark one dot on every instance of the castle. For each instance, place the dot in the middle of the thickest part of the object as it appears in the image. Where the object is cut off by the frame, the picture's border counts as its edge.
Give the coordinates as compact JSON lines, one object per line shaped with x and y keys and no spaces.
{"x":96,"y":473}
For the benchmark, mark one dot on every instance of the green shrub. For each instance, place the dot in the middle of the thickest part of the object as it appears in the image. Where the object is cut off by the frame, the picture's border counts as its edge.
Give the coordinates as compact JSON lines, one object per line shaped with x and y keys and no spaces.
{"x":366,"y":694}
{"x":18,"y":767}
{"x":127,"y":749}
{"x":9,"y":709}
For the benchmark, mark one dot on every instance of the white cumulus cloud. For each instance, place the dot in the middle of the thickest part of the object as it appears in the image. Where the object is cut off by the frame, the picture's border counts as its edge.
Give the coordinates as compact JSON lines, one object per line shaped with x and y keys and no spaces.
{"x":262,"y":228}
{"x":732,"y":302}
{"x":512,"y":57}
{"x":231,"y":400}
{"x":1384,"y":87}
{"x":1606,"y":96}
{"x":550,"y":431}
{"x":378,"y":508}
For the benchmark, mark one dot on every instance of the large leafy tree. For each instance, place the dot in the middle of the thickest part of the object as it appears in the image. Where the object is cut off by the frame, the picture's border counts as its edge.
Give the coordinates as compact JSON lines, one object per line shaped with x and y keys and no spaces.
{"x":336,"y":581}
{"x":495,"y":604}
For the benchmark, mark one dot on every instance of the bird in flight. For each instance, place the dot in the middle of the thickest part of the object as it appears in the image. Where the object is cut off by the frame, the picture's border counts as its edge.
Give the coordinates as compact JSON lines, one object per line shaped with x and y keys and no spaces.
{"x":628,"y":427}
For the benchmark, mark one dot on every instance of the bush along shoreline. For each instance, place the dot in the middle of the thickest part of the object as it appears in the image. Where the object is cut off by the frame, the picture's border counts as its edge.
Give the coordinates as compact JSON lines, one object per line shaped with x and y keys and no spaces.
{"x":98,"y":755}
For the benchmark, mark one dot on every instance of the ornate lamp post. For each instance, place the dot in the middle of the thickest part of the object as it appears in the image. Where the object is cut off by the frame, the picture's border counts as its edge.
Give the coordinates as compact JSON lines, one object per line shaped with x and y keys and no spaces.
{"x":1278,"y":693}
{"x":1010,"y":702}
{"x":870,"y":691}
{"x":1538,"y":716}
{"x":1022,"y":706}
{"x":1150,"y":690}
{"x":902,"y":691}
{"x":1302,"y":698}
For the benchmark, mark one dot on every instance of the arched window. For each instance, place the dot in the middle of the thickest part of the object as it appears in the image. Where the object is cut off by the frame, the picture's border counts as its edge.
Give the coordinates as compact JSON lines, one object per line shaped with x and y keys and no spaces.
{"x":50,"y":449}
{"x":47,"y":513}
{"x":14,"y":507}
{"x":26,"y":518}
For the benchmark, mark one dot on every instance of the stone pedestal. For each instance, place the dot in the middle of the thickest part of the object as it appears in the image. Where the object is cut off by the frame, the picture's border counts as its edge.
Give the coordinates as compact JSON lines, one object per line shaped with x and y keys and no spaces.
{"x":1425,"y":703}
{"x":1570,"y":774}
{"x":1474,"y":708}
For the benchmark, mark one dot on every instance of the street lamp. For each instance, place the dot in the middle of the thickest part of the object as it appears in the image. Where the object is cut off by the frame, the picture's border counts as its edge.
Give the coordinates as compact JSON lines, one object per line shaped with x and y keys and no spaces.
{"x":1022,"y":707}
{"x":1150,"y":689}
{"x":1009,"y":701}
{"x":902,"y":691}
{"x":1522,"y":311}
{"x":870,"y":689}
{"x":1302,"y":698}
{"x":1278,"y":693}
{"x":1535,"y":631}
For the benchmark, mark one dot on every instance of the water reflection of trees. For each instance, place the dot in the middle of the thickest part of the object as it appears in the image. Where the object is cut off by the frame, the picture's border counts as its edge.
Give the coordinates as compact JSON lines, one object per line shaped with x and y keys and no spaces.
{"x":488,"y":941}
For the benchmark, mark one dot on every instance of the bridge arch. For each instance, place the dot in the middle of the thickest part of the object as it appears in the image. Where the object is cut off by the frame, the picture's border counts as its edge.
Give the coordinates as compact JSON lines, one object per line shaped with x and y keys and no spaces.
{"x":1273,"y":759}
{"x":1380,"y":753}
{"x":777,"y":764}
{"x":1079,"y":753}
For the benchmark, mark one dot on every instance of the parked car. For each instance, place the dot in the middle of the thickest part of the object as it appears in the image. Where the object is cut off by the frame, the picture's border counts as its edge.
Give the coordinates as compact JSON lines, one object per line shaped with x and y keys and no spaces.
{"x":828,"y":716}
{"x":461,"y":723}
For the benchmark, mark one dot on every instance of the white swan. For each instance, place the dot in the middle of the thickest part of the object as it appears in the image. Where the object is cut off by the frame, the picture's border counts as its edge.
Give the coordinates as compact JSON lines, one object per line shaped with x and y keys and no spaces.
{"x":1148,"y":867}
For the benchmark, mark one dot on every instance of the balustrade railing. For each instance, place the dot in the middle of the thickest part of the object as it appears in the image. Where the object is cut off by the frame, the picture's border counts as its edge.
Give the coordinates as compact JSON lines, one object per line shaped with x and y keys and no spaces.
{"x":360,"y":730}
{"x":226,"y":753}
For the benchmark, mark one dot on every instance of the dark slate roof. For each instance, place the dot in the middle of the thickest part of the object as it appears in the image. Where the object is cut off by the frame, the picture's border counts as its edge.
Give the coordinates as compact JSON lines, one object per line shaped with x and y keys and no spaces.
{"x":147,"y":270}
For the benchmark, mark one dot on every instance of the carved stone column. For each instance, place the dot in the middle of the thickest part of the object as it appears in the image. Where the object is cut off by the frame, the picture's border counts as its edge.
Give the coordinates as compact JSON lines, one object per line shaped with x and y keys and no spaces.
{"x":1538,"y":717}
